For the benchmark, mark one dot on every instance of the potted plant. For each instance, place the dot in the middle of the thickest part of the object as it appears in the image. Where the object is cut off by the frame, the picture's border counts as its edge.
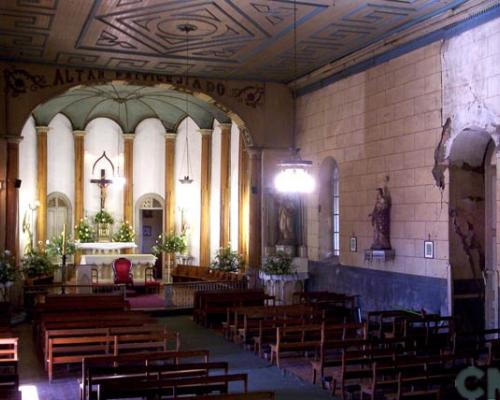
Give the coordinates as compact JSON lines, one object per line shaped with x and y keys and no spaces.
{"x":8,"y":273}
{"x":279,"y":264}
{"x":170,"y":245}
{"x":227,"y":260}
{"x":126,"y":233}
{"x":280,"y":278}
{"x":84,"y":232}
{"x":37,"y":267}
{"x":103,"y":220}
{"x":60,"y":247}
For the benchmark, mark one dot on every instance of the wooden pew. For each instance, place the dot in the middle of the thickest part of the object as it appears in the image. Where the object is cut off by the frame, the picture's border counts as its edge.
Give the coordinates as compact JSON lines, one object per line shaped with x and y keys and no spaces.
{"x":211,"y":307}
{"x":295,"y":338}
{"x":9,"y":374}
{"x":126,"y":388}
{"x":334,"y":339}
{"x":238,"y":396}
{"x":82,"y":302}
{"x":101,"y":375}
{"x":70,"y":347}
{"x":97,"y":366}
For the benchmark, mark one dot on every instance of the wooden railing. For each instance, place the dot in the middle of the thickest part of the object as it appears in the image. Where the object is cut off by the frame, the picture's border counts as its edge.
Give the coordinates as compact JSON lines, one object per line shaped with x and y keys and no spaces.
{"x":181,"y":294}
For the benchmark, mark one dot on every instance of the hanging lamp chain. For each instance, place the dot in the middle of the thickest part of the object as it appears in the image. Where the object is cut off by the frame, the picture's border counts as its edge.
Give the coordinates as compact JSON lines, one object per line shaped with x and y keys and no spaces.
{"x":186,"y":28}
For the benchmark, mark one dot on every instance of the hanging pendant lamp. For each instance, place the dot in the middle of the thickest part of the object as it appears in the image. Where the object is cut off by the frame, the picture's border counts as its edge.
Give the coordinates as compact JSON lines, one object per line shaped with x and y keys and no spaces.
{"x":186,"y":28}
{"x":294,"y":176}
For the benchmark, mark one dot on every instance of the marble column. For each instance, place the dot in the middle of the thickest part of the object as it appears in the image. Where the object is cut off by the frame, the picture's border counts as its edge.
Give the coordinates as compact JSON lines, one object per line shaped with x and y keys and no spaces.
{"x":225,"y":184}
{"x":128,"y":174}
{"x":206,"y":172}
{"x":12,"y":196}
{"x":254,"y":239}
{"x":79,"y":139}
{"x":79,"y":146}
{"x":243,"y":200}
{"x":41,"y":163}
{"x":169,"y":215}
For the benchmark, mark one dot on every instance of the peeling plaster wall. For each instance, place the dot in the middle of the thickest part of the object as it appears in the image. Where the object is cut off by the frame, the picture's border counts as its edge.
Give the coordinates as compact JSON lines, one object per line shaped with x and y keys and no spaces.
{"x":471,"y":79}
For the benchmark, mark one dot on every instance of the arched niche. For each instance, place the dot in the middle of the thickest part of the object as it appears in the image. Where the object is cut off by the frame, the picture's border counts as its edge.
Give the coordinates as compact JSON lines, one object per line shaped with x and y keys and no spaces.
{"x":472,"y":242}
{"x":329,"y":209}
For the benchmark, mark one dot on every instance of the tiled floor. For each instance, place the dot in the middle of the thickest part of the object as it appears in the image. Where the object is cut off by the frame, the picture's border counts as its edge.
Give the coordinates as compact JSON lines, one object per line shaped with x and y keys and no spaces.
{"x":262,"y":376}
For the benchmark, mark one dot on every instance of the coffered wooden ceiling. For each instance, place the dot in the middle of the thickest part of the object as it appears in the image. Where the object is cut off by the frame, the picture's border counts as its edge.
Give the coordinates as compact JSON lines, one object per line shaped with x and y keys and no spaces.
{"x":235,"y":39}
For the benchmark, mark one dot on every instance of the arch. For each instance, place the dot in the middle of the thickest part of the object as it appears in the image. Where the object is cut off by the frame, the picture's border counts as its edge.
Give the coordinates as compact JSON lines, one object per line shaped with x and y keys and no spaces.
{"x":148,"y":201}
{"x":83,"y":103}
{"x":469,"y":156}
{"x":56,"y":215}
{"x":329,"y":209}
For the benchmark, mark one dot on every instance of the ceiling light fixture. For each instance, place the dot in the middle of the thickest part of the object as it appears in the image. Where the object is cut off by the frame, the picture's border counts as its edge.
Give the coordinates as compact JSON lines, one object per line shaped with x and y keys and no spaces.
{"x":294,"y":176}
{"x":186,"y":28}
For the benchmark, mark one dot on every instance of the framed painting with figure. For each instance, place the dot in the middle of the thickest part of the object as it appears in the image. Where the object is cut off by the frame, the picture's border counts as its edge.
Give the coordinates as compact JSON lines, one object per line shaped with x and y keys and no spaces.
{"x":428,"y":249}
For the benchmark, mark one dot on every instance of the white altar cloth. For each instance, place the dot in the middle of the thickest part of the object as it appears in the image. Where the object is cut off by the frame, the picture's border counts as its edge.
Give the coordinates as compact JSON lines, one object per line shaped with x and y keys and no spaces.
{"x":105,"y":247}
{"x":103,"y":263}
{"x":107,"y":259}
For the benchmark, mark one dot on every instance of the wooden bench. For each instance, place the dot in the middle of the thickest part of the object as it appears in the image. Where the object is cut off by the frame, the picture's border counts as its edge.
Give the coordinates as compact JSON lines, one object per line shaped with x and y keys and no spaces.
{"x":97,"y":367}
{"x":211,"y":307}
{"x":192,"y":273}
{"x":335,"y":338}
{"x":126,"y":388}
{"x":9,"y":374}
{"x":295,"y":338}
{"x":238,"y":396}
{"x":82,"y":302}
{"x":71,"y":346}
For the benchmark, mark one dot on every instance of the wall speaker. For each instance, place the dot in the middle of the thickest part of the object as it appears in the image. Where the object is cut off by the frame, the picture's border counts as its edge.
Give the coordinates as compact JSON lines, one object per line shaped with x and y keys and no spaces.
{"x":17,"y":183}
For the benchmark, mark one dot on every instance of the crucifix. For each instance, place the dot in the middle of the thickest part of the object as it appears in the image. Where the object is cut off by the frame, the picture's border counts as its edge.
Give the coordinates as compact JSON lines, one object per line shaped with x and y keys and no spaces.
{"x":103,"y":184}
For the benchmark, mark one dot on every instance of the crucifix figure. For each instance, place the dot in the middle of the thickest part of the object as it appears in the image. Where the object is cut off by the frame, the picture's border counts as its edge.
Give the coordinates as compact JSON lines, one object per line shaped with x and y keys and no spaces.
{"x":103,"y":184}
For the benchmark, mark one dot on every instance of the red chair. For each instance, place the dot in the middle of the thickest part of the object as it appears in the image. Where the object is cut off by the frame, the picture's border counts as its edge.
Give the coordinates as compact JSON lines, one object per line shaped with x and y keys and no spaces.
{"x":122,"y":271}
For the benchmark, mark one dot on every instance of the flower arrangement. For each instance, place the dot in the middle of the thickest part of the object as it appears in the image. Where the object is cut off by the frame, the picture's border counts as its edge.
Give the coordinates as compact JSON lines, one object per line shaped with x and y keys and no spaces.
{"x":227,"y":260}
{"x":57,"y":246}
{"x":125,"y":233}
{"x":279,"y":264}
{"x":8,"y":272}
{"x":170,"y":244}
{"x":84,"y":231}
{"x":36,"y":264}
{"x":103,"y":217}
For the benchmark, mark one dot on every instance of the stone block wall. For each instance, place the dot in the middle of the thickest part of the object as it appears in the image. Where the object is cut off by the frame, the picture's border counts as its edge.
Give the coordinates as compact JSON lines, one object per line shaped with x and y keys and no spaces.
{"x":384,"y":122}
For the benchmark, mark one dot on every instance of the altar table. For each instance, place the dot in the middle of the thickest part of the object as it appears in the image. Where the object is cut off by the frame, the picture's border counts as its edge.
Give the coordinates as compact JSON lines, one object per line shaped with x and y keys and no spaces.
{"x":103,"y":264}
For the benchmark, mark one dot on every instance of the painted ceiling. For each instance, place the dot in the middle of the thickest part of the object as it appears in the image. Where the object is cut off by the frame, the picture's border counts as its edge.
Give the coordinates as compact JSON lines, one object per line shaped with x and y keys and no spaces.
{"x":128,"y":105}
{"x":235,"y":39}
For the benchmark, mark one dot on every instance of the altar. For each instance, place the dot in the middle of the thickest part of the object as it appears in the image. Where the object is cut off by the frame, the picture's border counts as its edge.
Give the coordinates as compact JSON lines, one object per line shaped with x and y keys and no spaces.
{"x":100,"y":257}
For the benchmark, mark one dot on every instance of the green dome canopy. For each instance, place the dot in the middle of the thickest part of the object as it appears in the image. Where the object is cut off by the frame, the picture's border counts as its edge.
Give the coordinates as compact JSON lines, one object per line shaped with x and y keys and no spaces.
{"x":128,"y":105}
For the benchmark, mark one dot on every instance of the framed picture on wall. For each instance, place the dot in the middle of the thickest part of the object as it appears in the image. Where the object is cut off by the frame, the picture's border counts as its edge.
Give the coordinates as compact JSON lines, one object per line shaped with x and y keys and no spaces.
{"x":428,"y":249}
{"x":353,"y":244}
{"x":146,"y":230}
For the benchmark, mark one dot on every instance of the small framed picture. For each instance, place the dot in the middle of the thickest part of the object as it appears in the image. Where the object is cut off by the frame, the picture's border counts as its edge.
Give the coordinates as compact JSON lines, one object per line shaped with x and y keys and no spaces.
{"x":428,"y":249}
{"x":353,"y":244}
{"x":146,"y":230}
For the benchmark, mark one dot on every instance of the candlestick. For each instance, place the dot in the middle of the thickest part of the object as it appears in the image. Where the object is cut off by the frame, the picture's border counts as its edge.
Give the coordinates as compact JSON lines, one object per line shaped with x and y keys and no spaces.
{"x":63,"y":250}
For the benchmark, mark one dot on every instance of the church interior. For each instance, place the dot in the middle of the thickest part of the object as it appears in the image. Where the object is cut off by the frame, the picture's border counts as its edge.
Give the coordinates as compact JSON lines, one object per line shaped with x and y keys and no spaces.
{"x":236,"y":199}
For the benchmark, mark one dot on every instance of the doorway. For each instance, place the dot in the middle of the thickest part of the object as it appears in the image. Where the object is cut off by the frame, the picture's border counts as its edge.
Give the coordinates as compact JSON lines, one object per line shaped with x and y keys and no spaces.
{"x":150,"y":226}
{"x":472,"y":233}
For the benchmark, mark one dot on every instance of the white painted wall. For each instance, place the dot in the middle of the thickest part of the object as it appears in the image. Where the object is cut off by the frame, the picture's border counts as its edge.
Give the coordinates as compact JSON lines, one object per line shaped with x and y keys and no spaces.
{"x":235,"y":163}
{"x":149,"y":160}
{"x":103,"y":134}
{"x":61,"y":158}
{"x":188,"y":196}
{"x":215,"y":191}
{"x":28,"y":176}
